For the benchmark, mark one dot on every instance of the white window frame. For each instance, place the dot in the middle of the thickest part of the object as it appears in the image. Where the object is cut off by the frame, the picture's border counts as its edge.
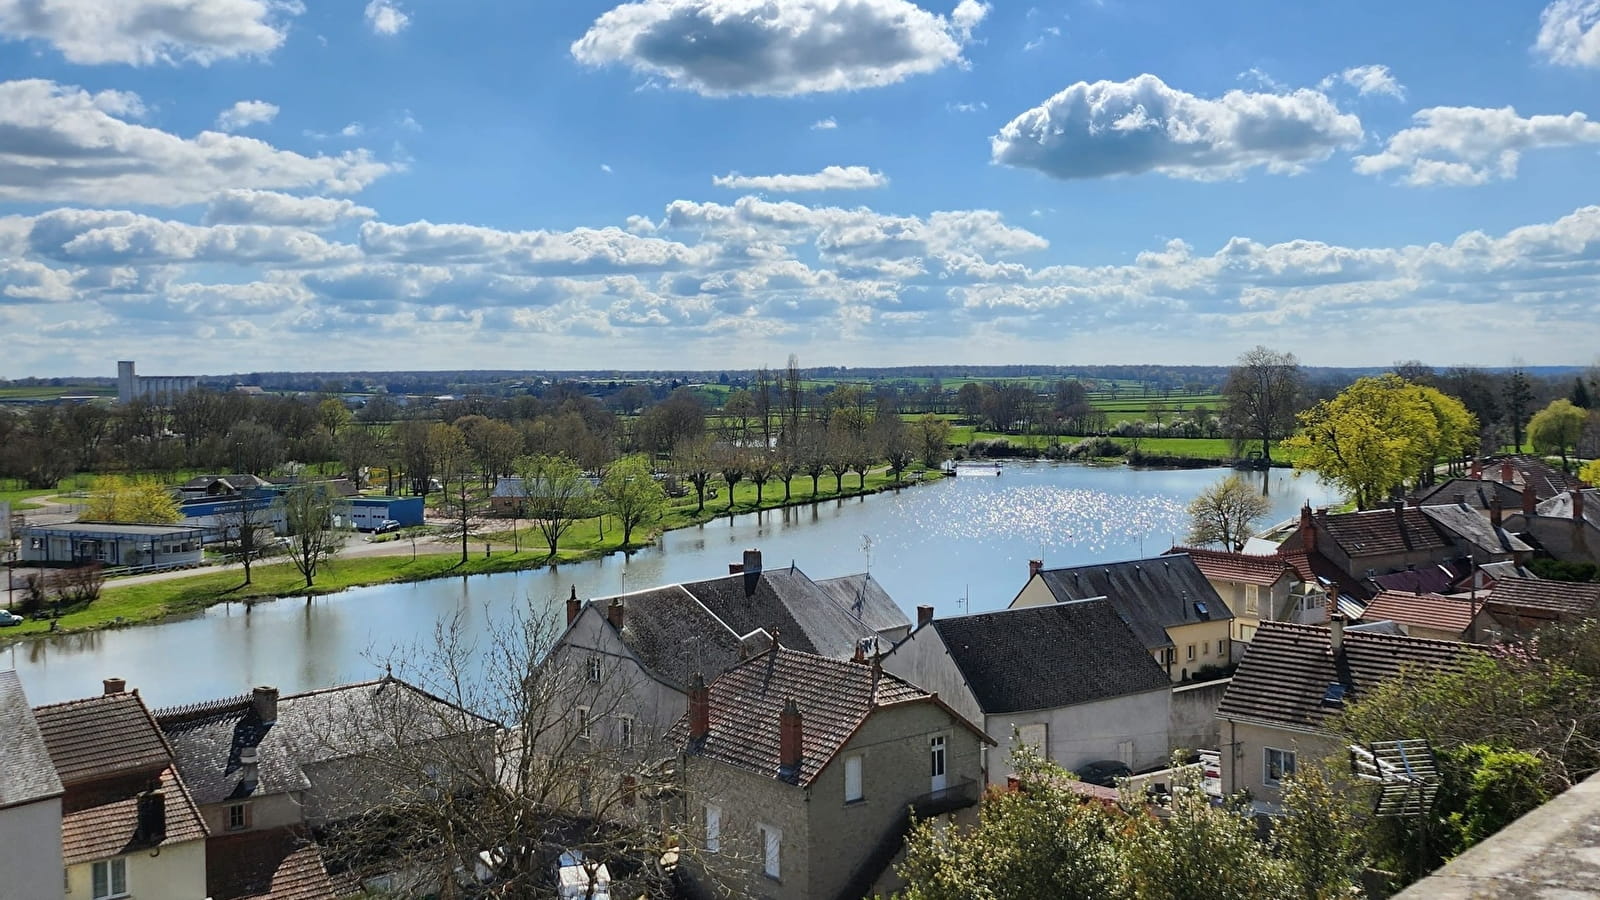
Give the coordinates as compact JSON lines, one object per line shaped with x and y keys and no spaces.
{"x":1190,"y":652}
{"x":108,"y":872}
{"x":771,"y":851}
{"x":243,"y":810}
{"x":625,"y":726}
{"x":713,"y":828}
{"x":585,"y":725}
{"x":594,"y":670}
{"x":1287,"y":763}
{"x":1252,"y":600}
{"x":853,"y":788}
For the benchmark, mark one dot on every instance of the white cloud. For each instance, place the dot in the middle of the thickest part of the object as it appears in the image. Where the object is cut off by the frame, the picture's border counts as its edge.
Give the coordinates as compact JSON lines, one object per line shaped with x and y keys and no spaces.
{"x":142,"y":32}
{"x":384,"y":17}
{"x":1569,"y":33}
{"x":1051,"y":31}
{"x":722,"y":47}
{"x":58,"y":143}
{"x":606,"y":168}
{"x":979,"y":106}
{"x":243,"y":114}
{"x":1468,"y":145}
{"x":827,"y":124}
{"x":104,"y":238}
{"x":832,"y":178}
{"x":1372,"y":79}
{"x":579,"y":251}
{"x":1142,"y":125}
{"x":248,"y":207}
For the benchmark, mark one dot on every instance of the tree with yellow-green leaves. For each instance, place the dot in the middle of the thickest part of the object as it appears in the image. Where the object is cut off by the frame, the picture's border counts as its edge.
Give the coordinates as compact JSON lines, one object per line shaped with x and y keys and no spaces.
{"x":1380,"y":432}
{"x":1557,"y":428}
{"x":140,"y":501}
{"x":1591,"y":472}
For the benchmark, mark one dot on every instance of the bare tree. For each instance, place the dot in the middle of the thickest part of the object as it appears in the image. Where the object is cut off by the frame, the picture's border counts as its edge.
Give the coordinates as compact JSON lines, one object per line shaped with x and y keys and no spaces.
{"x":1262,"y":391}
{"x":733,"y":465}
{"x":313,"y":537}
{"x":1226,"y":512}
{"x":247,"y":528}
{"x":692,"y":457}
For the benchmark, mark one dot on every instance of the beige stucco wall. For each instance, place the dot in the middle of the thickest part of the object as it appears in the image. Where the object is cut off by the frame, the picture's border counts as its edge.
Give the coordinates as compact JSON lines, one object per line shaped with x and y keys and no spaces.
{"x":176,"y":872}
{"x":1269,"y":600}
{"x":1245,"y":768}
{"x":1203,"y":637}
{"x":1034,"y":593}
{"x":269,"y":811}
{"x":1086,"y":732}
{"x":30,"y":841}
{"x":748,"y":801}
{"x":924,"y":661}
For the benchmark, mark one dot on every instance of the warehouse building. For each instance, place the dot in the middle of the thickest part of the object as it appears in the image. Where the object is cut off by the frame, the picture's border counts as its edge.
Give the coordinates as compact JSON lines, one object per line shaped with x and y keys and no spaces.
{"x":77,"y":543}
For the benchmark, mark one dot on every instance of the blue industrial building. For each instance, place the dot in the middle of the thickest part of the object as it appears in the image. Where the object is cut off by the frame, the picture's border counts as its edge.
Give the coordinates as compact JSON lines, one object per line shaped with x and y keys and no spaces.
{"x":367,"y":513}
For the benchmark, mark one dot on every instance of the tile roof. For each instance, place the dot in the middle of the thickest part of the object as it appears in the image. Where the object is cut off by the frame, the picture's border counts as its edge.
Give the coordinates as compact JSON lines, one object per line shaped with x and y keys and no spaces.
{"x":26,"y":772}
{"x":102,"y":737}
{"x":866,"y":599}
{"x":1044,"y":657}
{"x":1453,"y":614}
{"x":674,"y":636}
{"x":1547,"y":480}
{"x":1314,"y":568}
{"x":1430,"y":579}
{"x":100,"y":819}
{"x":787,"y":604}
{"x":1475,"y":492}
{"x":312,"y":727}
{"x":266,"y":865}
{"x":1560,"y":597}
{"x":1289,"y":667}
{"x":1468,"y":523}
{"x":1379,"y":532}
{"x":834,"y":697}
{"x":1243,"y":568}
{"x":1151,"y":595}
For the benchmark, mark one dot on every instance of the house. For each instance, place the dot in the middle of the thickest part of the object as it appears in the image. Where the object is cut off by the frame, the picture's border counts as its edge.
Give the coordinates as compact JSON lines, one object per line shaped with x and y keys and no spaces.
{"x":1516,"y":607}
{"x":804,"y":771}
{"x":642,"y":650}
{"x":1068,"y":679}
{"x":1428,"y":615}
{"x":1257,"y":588}
{"x":1520,"y":473}
{"x":30,"y":799}
{"x":1477,"y":492}
{"x":128,"y":824}
{"x":79,"y":543}
{"x":1293,"y":678}
{"x":514,"y":495}
{"x":1566,"y":526}
{"x":1484,"y":539}
{"x":1166,"y":600}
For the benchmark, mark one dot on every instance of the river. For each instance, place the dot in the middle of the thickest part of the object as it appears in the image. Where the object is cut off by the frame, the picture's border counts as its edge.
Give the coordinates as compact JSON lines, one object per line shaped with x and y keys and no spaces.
{"x":960,"y":545}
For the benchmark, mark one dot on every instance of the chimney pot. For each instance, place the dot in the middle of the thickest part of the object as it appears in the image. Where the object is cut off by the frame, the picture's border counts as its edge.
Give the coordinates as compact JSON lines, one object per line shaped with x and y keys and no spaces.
{"x":789,"y":738}
{"x":1508,"y":472}
{"x":152,"y":825}
{"x":699,"y":709}
{"x":735,"y":568}
{"x":115,"y":685}
{"x":1035,"y":566}
{"x":265,"y":701}
{"x":574,"y":606}
{"x":1530,"y":501}
{"x":615,"y":613}
{"x":924,"y":615}
{"x":752,"y":562}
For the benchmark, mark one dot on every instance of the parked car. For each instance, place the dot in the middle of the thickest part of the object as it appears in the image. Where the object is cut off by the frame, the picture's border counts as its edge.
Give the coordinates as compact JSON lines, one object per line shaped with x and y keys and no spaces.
{"x":386,"y":526}
{"x":7,"y":617}
{"x":1103,"y":772}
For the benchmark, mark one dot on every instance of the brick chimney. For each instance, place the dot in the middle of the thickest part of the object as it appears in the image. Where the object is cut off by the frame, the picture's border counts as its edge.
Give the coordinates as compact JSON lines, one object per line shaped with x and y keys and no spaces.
{"x":1530,"y":501}
{"x":1035,"y":566}
{"x":924,"y":616}
{"x":265,"y":701}
{"x":115,"y":685}
{"x":574,"y":606}
{"x":1496,"y":513}
{"x":1577,"y":507}
{"x":789,"y":738}
{"x":735,"y":568}
{"x":752,"y":562}
{"x":699,"y":709}
{"x":1308,"y":528}
{"x":1476,"y":471}
{"x":1508,"y":473}
{"x":614,"y":613}
{"x":152,"y":823}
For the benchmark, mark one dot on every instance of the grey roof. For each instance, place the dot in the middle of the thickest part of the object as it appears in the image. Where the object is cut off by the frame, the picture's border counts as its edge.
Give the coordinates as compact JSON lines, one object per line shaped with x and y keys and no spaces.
{"x":110,"y":528}
{"x":1560,"y":507}
{"x":867,"y":600}
{"x":1466,"y":522}
{"x":27,"y":773}
{"x":1044,"y":657}
{"x":313,"y":727}
{"x":1151,"y":595}
{"x":675,"y":637}
{"x":786,"y":603}
{"x":1475,"y":492}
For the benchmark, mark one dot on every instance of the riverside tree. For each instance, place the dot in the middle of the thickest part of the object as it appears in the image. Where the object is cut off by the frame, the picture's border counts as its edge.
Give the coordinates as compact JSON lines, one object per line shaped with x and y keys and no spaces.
{"x":1556,"y":429}
{"x":1226,"y":512}
{"x":313,"y":537}
{"x":1261,"y":391}
{"x":247,"y":524}
{"x":633,"y":495}
{"x":559,"y":497}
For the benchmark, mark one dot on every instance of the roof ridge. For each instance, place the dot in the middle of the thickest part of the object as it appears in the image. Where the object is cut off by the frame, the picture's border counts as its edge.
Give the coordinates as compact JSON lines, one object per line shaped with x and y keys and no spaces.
{"x":97,"y":698}
{"x":1037,"y":607}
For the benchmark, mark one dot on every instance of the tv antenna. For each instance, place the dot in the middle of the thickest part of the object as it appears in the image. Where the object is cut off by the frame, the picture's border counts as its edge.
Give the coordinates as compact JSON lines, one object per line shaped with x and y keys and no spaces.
{"x":1406,"y":772}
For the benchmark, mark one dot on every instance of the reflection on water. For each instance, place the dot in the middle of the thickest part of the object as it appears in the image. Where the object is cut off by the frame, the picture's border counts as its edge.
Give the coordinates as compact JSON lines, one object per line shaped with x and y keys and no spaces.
{"x":939,"y":544}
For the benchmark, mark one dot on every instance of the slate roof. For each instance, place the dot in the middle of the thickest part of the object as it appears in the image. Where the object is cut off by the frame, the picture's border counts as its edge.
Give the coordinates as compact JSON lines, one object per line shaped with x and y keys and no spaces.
{"x":1432,"y":579}
{"x":1044,"y":657}
{"x":834,"y":697}
{"x":788,"y":605}
{"x":102,"y":737}
{"x":100,"y":819}
{"x":1379,"y":532}
{"x":26,"y":772}
{"x":866,"y":599}
{"x":1547,"y":480}
{"x":1475,"y":492}
{"x":1453,"y":614}
{"x":1151,"y":595}
{"x":266,"y":865}
{"x":1287,"y":671}
{"x":1242,"y":568}
{"x":1314,"y":568}
{"x":1468,"y":523}
{"x":674,"y":636}
{"x":312,"y":727}
{"x":1560,"y":597}
{"x":1560,"y":507}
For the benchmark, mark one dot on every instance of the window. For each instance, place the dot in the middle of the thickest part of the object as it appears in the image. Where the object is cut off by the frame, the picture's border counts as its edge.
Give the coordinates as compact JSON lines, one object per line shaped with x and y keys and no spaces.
{"x":594,"y":669}
{"x":625,"y":732}
{"x":852,"y":778}
{"x":1222,"y":648}
{"x":585,"y":727}
{"x":1172,"y":655}
{"x":1252,"y":600}
{"x":713,"y":829}
{"x":1279,"y":765}
{"x":1246,"y":632}
{"x":771,"y":844}
{"x":238,"y":816}
{"x":1205,"y":649}
{"x":936,"y":756}
{"x":110,"y":879}
{"x":1191,"y":653}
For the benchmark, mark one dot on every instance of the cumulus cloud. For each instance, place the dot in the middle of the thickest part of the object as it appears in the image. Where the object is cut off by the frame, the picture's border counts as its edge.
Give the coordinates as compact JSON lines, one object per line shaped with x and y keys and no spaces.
{"x":581,"y":250}
{"x":832,"y":178}
{"x":827,"y":124}
{"x":60,"y":143}
{"x":250,"y":207}
{"x":142,"y":32}
{"x":1373,"y":79}
{"x":1469,"y":145}
{"x":1569,"y":33}
{"x":1142,"y":125}
{"x":722,"y":47}
{"x":107,"y":238}
{"x":384,"y":17}
{"x":244,"y":114}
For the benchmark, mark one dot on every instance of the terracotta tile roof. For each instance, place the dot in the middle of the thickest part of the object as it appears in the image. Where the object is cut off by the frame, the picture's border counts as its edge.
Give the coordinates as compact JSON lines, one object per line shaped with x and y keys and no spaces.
{"x":834,"y":697}
{"x":1243,"y":568}
{"x":102,"y":737}
{"x":1561,"y":597}
{"x":100,"y":819}
{"x":1151,"y":595}
{"x":1452,"y":614}
{"x":266,"y":865}
{"x":1289,"y":669}
{"x":26,"y":772}
{"x":1379,"y":532}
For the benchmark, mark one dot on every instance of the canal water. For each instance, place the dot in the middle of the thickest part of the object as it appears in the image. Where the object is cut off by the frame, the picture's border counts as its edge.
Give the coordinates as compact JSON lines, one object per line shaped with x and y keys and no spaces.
{"x":961,"y":544}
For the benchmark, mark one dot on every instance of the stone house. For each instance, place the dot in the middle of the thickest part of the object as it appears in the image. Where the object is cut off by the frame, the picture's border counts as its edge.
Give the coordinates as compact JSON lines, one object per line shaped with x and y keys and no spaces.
{"x":128,"y":824}
{"x":1566,"y":526}
{"x":1293,"y":678}
{"x":1166,"y":600}
{"x":805,"y":771}
{"x":1517,"y":607}
{"x":1068,"y":679}
{"x":30,"y":799}
{"x":1257,"y":588}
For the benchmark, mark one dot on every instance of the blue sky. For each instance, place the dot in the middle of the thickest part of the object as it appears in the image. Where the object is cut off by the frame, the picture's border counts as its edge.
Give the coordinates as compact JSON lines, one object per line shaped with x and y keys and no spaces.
{"x":232,"y":185}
